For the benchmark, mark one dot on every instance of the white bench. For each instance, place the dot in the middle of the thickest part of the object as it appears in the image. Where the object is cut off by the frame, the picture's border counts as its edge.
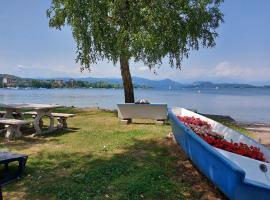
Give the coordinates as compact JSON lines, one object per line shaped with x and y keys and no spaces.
{"x":13,"y":127}
{"x":61,"y":118}
{"x":129,"y":111}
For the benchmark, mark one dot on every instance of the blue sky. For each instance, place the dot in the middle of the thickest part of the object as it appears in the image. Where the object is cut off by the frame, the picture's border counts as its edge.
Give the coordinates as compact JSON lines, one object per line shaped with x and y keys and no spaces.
{"x":29,"y":48}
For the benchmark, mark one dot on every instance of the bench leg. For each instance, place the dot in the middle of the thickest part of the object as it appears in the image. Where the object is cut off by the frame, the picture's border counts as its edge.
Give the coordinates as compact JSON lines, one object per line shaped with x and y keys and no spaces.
{"x":6,"y":168}
{"x":38,"y":119}
{"x":1,"y":197}
{"x":160,"y":121}
{"x":13,"y":131}
{"x":126,"y":121}
{"x":62,"y":123}
{"x":22,"y":163}
{"x":13,"y":113}
{"x":40,"y":123}
{"x":9,"y":113}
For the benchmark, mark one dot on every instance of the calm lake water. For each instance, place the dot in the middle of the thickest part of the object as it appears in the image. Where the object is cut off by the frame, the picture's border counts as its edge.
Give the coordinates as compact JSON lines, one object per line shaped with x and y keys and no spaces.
{"x":246,"y":105}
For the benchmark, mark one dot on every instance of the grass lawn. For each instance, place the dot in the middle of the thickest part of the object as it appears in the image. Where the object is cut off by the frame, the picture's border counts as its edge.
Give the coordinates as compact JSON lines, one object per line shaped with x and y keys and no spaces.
{"x":97,"y":158}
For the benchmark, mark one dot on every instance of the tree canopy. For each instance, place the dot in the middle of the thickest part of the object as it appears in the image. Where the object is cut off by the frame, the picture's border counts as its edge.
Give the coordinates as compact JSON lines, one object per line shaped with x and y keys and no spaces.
{"x":144,"y":30}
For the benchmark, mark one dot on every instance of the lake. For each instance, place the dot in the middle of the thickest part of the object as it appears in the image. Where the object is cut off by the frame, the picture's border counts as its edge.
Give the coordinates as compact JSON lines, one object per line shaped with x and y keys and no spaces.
{"x":245,"y":105}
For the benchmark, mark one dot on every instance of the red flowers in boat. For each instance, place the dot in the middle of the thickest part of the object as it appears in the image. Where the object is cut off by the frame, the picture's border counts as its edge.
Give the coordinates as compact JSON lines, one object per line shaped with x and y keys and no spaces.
{"x":204,"y":131}
{"x":194,"y":121}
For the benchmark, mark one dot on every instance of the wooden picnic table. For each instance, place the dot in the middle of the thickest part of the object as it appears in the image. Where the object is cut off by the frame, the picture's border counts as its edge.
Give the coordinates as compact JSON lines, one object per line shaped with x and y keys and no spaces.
{"x":41,"y":110}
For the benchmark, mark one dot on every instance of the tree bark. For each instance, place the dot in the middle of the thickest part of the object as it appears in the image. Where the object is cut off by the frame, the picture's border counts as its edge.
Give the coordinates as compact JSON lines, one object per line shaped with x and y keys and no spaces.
{"x":127,"y":80}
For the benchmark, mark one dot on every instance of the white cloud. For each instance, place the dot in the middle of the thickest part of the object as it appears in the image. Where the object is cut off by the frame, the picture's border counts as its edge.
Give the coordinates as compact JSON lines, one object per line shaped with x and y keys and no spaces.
{"x":221,"y":72}
{"x":226,"y":69}
{"x":234,"y":71}
{"x":143,"y":69}
{"x":19,"y":66}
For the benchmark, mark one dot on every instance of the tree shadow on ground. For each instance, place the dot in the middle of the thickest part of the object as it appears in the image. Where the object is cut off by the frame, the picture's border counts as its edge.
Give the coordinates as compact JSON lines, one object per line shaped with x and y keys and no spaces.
{"x":60,"y":132}
{"x":151,"y":123}
{"x":148,"y":122}
{"x":28,"y":140}
{"x":147,"y":169}
{"x":22,"y":143}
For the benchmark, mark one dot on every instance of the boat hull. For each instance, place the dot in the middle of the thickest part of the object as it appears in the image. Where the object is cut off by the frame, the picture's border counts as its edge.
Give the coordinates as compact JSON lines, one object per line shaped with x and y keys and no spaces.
{"x":228,"y":176}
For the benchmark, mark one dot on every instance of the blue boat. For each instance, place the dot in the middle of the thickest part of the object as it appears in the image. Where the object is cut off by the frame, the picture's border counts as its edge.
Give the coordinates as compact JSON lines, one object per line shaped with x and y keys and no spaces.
{"x":238,"y":177}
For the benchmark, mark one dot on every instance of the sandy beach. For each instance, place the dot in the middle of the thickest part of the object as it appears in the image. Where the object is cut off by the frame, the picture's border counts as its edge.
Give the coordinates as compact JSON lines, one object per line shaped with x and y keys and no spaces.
{"x":260,"y":131}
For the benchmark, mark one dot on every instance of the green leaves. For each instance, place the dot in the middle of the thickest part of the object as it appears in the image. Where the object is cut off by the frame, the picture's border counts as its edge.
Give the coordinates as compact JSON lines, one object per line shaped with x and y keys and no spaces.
{"x":145,"y":30}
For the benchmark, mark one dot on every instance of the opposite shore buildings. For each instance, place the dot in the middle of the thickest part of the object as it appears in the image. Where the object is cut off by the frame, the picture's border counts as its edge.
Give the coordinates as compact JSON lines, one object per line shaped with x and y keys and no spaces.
{"x":8,"y":81}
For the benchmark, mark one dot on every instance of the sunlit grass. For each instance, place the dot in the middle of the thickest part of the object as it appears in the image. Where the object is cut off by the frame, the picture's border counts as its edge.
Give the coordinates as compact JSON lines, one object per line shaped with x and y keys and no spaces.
{"x":97,"y":158}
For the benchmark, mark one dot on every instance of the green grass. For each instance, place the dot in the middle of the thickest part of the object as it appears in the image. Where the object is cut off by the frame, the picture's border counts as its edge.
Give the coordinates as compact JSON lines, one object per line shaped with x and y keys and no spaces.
{"x":97,"y":158}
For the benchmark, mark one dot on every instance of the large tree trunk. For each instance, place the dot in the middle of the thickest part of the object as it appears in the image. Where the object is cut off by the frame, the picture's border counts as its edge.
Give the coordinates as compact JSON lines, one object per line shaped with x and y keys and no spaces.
{"x":127,"y":80}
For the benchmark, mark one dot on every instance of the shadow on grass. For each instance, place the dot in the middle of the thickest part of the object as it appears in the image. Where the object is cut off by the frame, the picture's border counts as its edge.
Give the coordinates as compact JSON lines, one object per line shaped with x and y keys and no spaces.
{"x":28,"y":141}
{"x":148,"y":122}
{"x":151,"y":123}
{"x":23,"y":143}
{"x":147,"y":169}
{"x":59,"y":132}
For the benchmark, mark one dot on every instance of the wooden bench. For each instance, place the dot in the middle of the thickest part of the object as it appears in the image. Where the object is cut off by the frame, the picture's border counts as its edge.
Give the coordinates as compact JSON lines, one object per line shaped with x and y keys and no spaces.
{"x":13,"y":127}
{"x":7,"y":176}
{"x":61,"y":118}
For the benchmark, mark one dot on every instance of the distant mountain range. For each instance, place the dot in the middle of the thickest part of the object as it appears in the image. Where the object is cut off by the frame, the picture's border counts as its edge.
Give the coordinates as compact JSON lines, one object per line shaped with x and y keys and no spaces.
{"x":155,"y":84}
{"x":170,"y":84}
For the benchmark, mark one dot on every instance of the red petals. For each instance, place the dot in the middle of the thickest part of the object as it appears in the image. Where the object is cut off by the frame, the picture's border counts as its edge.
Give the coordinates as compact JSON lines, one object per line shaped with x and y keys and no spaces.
{"x":204,"y":131}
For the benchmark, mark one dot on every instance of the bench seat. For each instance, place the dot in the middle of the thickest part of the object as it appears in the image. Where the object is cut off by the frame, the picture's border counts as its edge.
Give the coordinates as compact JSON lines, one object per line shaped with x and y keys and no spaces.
{"x":13,"y":121}
{"x":61,"y":118}
{"x":13,"y":127}
{"x":67,"y":115}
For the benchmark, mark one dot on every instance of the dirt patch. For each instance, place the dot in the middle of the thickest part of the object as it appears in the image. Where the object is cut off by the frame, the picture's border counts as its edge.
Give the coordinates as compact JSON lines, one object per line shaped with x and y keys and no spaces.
{"x":202,"y":188}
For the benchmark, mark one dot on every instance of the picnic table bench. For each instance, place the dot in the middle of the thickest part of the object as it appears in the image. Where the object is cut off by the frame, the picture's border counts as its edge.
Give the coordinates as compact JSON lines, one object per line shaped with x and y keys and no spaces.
{"x":61,"y":118}
{"x":13,"y":127}
{"x":7,"y":176}
{"x":15,"y":115}
{"x":41,"y":109}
